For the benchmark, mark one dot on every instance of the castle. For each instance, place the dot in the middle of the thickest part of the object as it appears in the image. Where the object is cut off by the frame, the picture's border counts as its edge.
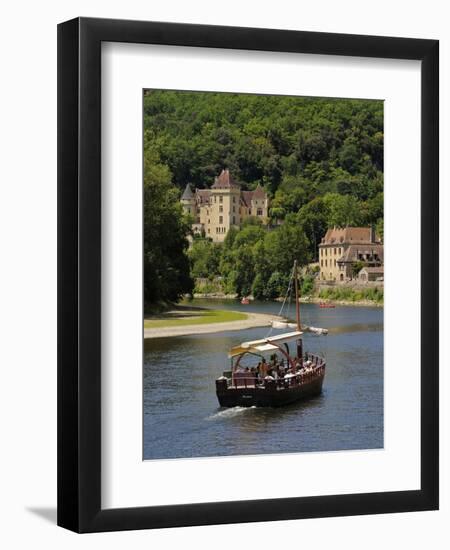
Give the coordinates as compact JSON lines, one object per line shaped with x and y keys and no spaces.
{"x":223,"y":206}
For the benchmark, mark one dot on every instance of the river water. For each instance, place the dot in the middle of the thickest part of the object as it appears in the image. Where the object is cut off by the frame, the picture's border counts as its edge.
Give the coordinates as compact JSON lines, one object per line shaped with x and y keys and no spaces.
{"x":182,"y":417}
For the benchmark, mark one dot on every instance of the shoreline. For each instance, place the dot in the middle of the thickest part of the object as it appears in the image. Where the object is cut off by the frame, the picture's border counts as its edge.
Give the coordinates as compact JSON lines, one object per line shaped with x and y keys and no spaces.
{"x":303,"y":300}
{"x":253,"y":320}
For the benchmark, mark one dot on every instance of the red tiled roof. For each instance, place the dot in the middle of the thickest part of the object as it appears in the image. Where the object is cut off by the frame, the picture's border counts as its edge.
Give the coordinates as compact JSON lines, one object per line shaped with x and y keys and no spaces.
{"x":349,"y":235}
{"x":374,"y":269}
{"x":203,"y":195}
{"x":351,"y":253}
{"x":259,"y":193}
{"x":248,"y":196}
{"x":224,"y":181}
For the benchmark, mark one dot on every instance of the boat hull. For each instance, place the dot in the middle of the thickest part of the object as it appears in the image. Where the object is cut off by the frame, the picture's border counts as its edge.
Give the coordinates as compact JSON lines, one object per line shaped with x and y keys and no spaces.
{"x":268,"y":397}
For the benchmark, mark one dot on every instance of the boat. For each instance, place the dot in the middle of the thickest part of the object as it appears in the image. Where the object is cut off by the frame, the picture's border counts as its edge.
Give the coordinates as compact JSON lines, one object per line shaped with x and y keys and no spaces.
{"x":289,"y":376}
{"x":326,"y":305}
{"x":245,"y":301}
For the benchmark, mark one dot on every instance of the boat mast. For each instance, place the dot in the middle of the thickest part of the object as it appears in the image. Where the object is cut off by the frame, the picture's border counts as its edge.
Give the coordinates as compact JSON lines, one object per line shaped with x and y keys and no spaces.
{"x":297,"y":303}
{"x":297,"y":309}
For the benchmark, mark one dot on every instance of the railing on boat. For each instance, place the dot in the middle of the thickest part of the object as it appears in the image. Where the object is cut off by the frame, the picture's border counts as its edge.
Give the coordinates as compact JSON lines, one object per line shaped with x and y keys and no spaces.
{"x":299,"y":378}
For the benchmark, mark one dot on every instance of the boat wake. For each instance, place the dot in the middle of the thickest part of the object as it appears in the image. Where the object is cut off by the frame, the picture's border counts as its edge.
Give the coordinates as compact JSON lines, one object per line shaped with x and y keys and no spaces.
{"x":229,"y":413}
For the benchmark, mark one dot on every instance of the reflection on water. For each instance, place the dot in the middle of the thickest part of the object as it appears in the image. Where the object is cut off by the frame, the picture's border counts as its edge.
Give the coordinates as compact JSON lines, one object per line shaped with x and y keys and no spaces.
{"x":182,"y":417}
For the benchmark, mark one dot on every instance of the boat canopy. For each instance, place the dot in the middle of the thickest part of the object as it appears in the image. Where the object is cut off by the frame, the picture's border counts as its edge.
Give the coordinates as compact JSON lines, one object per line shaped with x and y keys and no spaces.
{"x":266,"y":344}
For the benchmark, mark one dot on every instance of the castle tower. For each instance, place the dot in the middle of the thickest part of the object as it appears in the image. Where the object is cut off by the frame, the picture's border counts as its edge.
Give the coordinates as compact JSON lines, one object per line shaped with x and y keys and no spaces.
{"x":224,"y":205}
{"x":188,"y":202}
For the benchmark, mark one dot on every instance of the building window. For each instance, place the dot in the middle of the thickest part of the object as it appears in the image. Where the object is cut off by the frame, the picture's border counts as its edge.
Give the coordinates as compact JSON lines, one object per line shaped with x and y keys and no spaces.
{"x":326,"y":263}
{"x":234,"y":199}
{"x":220,"y":198}
{"x":326,"y":251}
{"x":221,"y":208}
{"x":259,"y":212}
{"x":209,"y":230}
{"x":334,"y":263}
{"x":321,"y":263}
{"x":209,"y":221}
{"x":334,"y":251}
{"x":234,"y":220}
{"x":221,"y":219}
{"x":249,"y":211}
{"x":234,"y":209}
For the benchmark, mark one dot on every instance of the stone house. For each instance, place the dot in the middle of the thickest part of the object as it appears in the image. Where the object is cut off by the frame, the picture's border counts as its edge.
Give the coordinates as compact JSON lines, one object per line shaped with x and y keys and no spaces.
{"x":223,"y":206}
{"x":344,"y":248}
{"x":369,"y":274}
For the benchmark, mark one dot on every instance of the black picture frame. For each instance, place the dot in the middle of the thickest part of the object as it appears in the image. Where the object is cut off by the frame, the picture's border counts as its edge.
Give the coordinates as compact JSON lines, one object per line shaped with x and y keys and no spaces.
{"x":79,"y":274}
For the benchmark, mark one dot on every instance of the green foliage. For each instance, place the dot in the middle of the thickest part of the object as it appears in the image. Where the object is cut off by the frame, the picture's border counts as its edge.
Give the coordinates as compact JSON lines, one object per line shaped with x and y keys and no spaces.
{"x":379,"y":228}
{"x":374,"y":294}
{"x":252,"y":260}
{"x":357,"y":266}
{"x":307,"y":286}
{"x":298,"y":147}
{"x":205,"y":258}
{"x":320,"y":160}
{"x":166,"y":266}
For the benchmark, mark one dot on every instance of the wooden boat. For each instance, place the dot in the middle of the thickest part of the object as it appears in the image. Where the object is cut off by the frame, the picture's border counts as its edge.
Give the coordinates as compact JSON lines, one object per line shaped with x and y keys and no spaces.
{"x":245,"y":301}
{"x":289,"y":377}
{"x":326,"y":305}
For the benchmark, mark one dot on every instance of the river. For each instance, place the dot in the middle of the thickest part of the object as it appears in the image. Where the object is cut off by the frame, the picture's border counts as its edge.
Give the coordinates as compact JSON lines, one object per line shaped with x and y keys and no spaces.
{"x":182,"y":417}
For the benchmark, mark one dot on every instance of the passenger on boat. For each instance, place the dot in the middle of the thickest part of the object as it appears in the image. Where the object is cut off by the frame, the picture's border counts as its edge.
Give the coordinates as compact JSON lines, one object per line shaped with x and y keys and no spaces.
{"x":264,"y":368}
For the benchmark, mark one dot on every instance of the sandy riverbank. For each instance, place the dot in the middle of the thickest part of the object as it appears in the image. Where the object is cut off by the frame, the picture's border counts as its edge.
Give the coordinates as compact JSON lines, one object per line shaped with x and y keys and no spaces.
{"x":253,"y":320}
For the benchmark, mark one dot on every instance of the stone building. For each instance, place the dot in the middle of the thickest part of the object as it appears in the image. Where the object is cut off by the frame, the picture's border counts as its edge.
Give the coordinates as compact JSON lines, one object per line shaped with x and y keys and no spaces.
{"x":343,"y":249}
{"x":223,"y":206}
{"x":370,"y":274}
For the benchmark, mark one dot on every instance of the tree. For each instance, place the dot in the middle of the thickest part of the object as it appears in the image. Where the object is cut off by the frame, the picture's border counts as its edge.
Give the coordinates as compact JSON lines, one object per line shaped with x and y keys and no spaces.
{"x":313,"y":219}
{"x":320,"y":160}
{"x":343,"y":210}
{"x":286,"y":244}
{"x":205,"y":258}
{"x":166,"y":265}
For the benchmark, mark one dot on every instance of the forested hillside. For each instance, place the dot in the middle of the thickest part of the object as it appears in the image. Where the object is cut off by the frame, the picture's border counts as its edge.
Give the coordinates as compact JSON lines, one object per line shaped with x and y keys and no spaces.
{"x":320,"y":160}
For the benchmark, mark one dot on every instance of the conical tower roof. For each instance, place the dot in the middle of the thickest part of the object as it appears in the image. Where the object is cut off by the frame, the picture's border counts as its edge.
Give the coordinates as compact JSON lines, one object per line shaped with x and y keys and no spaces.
{"x":187,"y":193}
{"x":225,"y":181}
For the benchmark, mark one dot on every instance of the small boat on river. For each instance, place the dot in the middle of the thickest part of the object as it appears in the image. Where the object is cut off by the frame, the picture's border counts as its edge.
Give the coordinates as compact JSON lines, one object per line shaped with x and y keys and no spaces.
{"x":245,"y":301}
{"x":326,"y":305}
{"x":287,"y":376}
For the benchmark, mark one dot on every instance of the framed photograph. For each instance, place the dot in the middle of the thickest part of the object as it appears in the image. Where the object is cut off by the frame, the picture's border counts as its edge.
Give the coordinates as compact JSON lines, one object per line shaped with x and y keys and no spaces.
{"x":247,"y":275}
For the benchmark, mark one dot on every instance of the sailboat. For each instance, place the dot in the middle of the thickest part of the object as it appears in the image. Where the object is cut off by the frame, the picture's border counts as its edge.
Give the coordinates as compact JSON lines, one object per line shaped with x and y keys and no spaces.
{"x":285,"y":378}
